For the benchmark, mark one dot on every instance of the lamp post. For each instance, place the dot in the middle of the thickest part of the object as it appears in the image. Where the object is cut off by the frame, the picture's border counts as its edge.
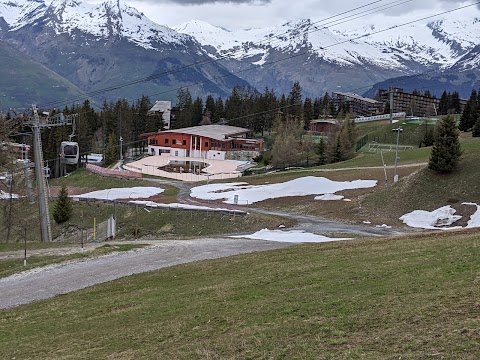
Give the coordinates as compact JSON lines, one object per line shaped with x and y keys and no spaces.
{"x":121,"y":148}
{"x":395,"y":175}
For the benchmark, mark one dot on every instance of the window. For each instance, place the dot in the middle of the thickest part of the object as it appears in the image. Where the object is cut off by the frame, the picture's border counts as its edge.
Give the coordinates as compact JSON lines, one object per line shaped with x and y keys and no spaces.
{"x":174,"y":142}
{"x":176,"y":153}
{"x":166,"y":141}
{"x":206,"y":143}
{"x":184,"y":142}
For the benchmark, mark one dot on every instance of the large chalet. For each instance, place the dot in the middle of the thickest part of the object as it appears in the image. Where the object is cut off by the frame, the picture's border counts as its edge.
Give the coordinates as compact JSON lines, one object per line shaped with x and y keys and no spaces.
{"x":221,"y":142}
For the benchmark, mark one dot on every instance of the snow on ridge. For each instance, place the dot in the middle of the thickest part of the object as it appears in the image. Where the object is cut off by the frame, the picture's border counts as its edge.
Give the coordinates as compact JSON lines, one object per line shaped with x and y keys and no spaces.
{"x":440,"y":42}
{"x":101,"y":19}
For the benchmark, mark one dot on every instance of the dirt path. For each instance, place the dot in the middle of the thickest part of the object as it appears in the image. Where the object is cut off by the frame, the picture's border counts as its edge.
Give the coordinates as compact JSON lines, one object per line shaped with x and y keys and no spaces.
{"x":318,"y":225}
{"x":50,"y":281}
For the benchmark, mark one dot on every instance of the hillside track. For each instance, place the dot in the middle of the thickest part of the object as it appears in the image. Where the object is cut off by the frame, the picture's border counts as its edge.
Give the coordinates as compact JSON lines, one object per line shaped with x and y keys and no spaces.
{"x":50,"y":281}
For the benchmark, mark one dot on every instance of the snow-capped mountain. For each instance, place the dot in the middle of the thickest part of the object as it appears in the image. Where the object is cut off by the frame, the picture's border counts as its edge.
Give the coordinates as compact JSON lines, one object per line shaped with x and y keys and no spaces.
{"x":373,"y":54}
{"x":108,"y":45}
{"x":111,"y":45}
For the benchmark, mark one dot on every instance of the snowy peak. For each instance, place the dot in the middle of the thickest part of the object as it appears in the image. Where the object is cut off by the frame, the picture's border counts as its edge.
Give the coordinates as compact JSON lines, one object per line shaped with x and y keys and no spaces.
{"x":17,"y":11}
{"x":439,"y":43}
{"x":107,"y":19}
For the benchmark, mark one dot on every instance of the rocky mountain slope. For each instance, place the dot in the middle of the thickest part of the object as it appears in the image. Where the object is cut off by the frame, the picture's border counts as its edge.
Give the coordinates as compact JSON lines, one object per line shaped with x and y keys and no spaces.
{"x":110,"y":50}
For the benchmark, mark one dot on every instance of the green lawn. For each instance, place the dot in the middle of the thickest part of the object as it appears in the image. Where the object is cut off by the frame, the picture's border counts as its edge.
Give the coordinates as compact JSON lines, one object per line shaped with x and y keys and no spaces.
{"x":406,"y":298}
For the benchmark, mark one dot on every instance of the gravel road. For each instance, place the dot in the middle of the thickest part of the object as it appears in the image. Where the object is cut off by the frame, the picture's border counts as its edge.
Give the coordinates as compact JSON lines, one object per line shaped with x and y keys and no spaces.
{"x":50,"y":281}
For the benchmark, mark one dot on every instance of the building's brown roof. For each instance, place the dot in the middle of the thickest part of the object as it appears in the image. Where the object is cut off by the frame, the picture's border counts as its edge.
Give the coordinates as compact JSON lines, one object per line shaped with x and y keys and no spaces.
{"x":217,"y":132}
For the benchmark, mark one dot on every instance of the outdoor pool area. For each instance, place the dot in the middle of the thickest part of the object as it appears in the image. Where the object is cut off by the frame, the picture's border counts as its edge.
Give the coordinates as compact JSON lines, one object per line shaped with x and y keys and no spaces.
{"x":184,"y":166}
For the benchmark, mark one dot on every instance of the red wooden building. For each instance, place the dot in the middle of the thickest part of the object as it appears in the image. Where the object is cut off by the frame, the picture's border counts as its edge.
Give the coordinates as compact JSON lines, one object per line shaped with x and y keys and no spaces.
{"x":222,"y":142}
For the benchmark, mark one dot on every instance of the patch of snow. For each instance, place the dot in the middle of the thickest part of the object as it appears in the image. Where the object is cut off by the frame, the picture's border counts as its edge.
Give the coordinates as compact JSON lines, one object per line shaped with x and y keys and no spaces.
{"x":292,"y":236}
{"x":6,"y":195}
{"x":366,"y":222}
{"x":249,"y":194}
{"x":475,"y":218}
{"x":436,"y":219}
{"x":138,"y":192}
{"x":348,"y":200}
{"x":385,"y":226}
{"x":178,"y":206}
{"x":329,"y":197}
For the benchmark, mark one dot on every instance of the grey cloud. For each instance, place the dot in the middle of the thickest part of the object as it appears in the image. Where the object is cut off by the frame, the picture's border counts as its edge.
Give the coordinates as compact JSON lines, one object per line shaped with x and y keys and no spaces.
{"x":204,"y":2}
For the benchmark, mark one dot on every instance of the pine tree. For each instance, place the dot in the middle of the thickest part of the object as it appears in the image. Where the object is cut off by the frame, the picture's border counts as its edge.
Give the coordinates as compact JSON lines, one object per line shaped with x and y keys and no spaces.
{"x":476,"y":128}
{"x":112,"y":153}
{"x":446,"y":151}
{"x":295,"y":101}
{"x":470,"y":113}
{"x":185,"y":109}
{"x":62,"y":210}
{"x":322,"y":152}
{"x":307,"y":113}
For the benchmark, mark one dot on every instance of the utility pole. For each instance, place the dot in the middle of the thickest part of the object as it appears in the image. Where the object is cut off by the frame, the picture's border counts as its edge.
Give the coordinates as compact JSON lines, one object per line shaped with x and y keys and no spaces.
{"x":391,"y":104}
{"x":37,"y":124}
{"x":395,"y":175}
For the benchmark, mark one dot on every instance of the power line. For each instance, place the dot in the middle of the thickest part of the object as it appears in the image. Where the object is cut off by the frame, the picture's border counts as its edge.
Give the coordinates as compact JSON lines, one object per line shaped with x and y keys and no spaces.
{"x":330,"y":46}
{"x":227,"y":55}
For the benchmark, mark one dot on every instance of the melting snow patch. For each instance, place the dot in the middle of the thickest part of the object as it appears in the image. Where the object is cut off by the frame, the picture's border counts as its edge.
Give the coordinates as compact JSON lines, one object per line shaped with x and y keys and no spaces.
{"x":436,"y":219}
{"x":6,"y":195}
{"x":383,"y":226}
{"x":248,"y":194}
{"x":366,"y":222}
{"x":475,"y":218}
{"x":329,"y":197}
{"x":139,"y":192}
{"x":179,"y":206}
{"x":292,"y":236}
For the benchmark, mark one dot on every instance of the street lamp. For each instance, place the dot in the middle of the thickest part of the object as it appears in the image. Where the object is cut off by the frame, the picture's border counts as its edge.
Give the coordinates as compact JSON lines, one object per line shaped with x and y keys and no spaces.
{"x":395,"y":175}
{"x":121,"y":148}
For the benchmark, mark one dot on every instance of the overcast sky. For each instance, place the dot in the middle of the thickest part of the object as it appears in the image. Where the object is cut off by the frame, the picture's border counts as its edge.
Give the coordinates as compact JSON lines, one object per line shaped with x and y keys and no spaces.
{"x":244,"y":14}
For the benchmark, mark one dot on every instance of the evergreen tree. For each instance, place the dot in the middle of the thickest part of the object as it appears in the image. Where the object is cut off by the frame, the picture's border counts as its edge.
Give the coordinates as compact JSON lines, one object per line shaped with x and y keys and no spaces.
{"x":185,"y":109}
{"x":112,"y":152}
{"x":317,"y":108}
{"x":470,"y":113}
{"x":197,"y":111}
{"x":307,"y":113}
{"x":62,"y":210}
{"x":476,"y":128}
{"x":294,"y":101}
{"x":210,"y":106}
{"x":322,"y":151}
{"x":455,"y":102}
{"x":446,"y":149}
{"x":443,"y":104}
{"x":219,"y":109}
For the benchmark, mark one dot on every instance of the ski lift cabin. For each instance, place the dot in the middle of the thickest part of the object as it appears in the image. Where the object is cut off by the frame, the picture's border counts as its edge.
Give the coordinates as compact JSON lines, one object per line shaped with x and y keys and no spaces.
{"x":69,"y":152}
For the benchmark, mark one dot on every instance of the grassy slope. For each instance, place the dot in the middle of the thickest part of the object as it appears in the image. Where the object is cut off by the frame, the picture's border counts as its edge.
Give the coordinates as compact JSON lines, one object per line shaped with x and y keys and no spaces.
{"x":376,"y":299}
{"x":429,"y":190}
